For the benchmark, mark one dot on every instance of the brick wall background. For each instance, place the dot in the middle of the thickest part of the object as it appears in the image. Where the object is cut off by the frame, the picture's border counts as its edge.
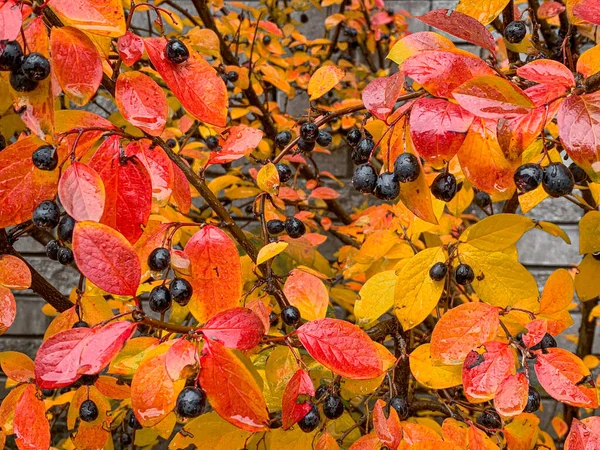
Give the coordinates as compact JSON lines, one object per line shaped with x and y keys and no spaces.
{"x":539,"y":252}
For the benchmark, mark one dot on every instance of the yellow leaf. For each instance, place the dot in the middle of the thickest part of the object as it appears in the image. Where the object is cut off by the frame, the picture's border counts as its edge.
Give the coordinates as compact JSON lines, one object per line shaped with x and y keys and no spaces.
{"x":377,"y":245}
{"x":324,"y":79}
{"x":418,"y":42}
{"x":268,"y":179}
{"x":416,"y":294}
{"x":484,"y":11}
{"x":500,"y":280}
{"x":270,"y":251}
{"x":558,"y":292}
{"x":589,"y":233}
{"x":531,"y":199}
{"x":497,"y":232}
{"x":553,"y":230}
{"x":432,"y":376}
{"x":522,"y":432}
{"x":376,"y":298}
{"x":589,"y":62}
{"x":216,"y":433}
{"x":586,"y":280}
{"x":294,"y":439}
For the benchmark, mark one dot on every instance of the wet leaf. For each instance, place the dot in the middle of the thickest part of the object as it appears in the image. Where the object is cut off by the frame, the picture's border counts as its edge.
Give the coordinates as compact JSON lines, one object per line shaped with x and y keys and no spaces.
{"x":585,"y":280}
{"x":414,"y":43}
{"x":376,"y":297}
{"x":307,"y":293}
{"x":270,"y":251}
{"x":237,"y":328}
{"x":497,"y":232}
{"x":584,"y":434}
{"x":380,"y":95}
{"x":485,"y":11}
{"x":14,"y":273}
{"x":30,"y":424}
{"x":323,"y":80}
{"x":558,"y":292}
{"x":92,"y":434}
{"x":10,"y":20}
{"x":511,"y":396}
{"x":388,"y":429}
{"x":103,"y":17}
{"x":588,"y":10}
{"x":8,"y":309}
{"x":292,"y":410}
{"x":159,"y":167}
{"x":17,"y":366}
{"x":485,"y":368}
{"x":216,"y":434}
{"x":131,"y":48}
{"x":547,"y":71}
{"x":268,"y":179}
{"x":240,"y":141}
{"x":438,"y":376}
{"x":81,"y":192}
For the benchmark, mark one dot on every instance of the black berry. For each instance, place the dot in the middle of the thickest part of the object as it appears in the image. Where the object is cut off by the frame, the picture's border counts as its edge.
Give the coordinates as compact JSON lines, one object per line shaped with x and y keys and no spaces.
{"x":321,"y":391}
{"x":596,"y":256}
{"x":176,"y":51}
{"x":353,"y":137}
{"x":401,"y":406}
{"x":295,"y":228}
{"x":212,"y":142}
{"x":365,"y":178}
{"x":309,"y":131}
{"x":579,"y":175}
{"x":10,"y":55}
{"x":515,"y":31}
{"x":2,"y":143}
{"x":489,"y":419}
{"x":159,"y":259}
{"x":482,"y":199}
{"x":533,"y":401}
{"x":324,"y":138}
{"x":273,"y":319}
{"x":386,"y":187}
{"x":36,"y":66}
{"x":233,"y":76}
{"x":134,"y":424}
{"x":181,"y":291}
{"x":266,"y":40}
{"x":275,"y":226}
{"x":558,"y":180}
{"x":306,"y":146}
{"x":444,"y":187}
{"x":171,"y":143}
{"x":528,"y":177}
{"x":190,"y":402}
{"x":88,"y":380}
{"x":438,"y":271}
{"x":463,"y":274}
{"x":52,"y":248}
{"x":290,"y":315}
{"x":310,"y":421}
{"x":65,"y":256}
{"x":406,"y":168}
{"x":45,"y":157}
{"x":283,"y":138}
{"x":333,"y":407}
{"x":547,"y":341}
{"x":160,"y":299}
{"x":303,"y":18}
{"x":284,"y":171}
{"x":65,"y":229}
{"x":20,"y":82}
{"x":88,"y":411}
{"x":46,"y":215}
{"x":362,"y":153}
{"x":80,"y":324}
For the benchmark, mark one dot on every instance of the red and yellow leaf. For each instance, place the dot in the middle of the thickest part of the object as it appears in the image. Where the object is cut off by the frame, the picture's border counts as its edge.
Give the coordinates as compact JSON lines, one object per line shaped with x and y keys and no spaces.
{"x":81,"y":192}
{"x":103,"y":17}
{"x":237,"y":328}
{"x":307,"y":293}
{"x":512,"y":394}
{"x":292,"y":411}
{"x":485,"y":368}
{"x":30,"y":424}
{"x":240,"y":141}
{"x":14,"y":273}
{"x":323,"y":80}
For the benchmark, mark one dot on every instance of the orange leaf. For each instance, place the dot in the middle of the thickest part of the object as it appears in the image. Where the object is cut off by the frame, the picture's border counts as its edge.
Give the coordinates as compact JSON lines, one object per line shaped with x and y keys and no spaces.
{"x":8,"y":309}
{"x":484,"y":369}
{"x":7,"y":409}
{"x":237,"y":328}
{"x":159,"y":167}
{"x":240,"y":141}
{"x":81,"y":192}
{"x":323,"y":80}
{"x":69,"y":119}
{"x":17,"y":366}
{"x":292,"y":411}
{"x":30,"y":424}
{"x":179,"y":356}
{"x":307,"y":293}
{"x":112,"y":387}
{"x":388,"y":429}
{"x":367,"y":442}
{"x":89,"y":434}
{"x":512,"y":394}
{"x":103,"y":17}
{"x":327,"y":442}
{"x":324,"y":193}
{"x":14,"y":273}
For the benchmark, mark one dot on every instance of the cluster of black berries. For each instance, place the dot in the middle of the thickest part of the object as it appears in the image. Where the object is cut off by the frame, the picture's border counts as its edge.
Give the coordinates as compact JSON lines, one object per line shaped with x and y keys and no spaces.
{"x":556,"y":178}
{"x":463,"y":274}
{"x":179,"y":289}
{"x":294,"y":227}
{"x":26,"y":71}
{"x":47,"y":217}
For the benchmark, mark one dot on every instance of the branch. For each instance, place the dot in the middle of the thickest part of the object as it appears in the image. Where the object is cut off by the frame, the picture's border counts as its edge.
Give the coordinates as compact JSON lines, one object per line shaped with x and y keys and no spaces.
{"x":591,"y":83}
{"x":426,"y":405}
{"x":508,"y":15}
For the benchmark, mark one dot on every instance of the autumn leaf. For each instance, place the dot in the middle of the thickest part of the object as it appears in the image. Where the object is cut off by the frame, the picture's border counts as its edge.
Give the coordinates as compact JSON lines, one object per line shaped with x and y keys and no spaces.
{"x":216,"y":433}
{"x":497,"y":232}
{"x":292,"y":411}
{"x":388,"y":430}
{"x":433,"y":376}
{"x":81,"y":192}
{"x":485,"y":368}
{"x":103,"y":17}
{"x":130,"y":47}
{"x":10,"y":20}
{"x":547,"y":71}
{"x":30,"y":425}
{"x":237,"y":328}
{"x":240,"y":141}
{"x":588,"y":10}
{"x":512,"y":394}
{"x":89,"y":434}
{"x":14,"y":273}
{"x":485,"y":11}
{"x":589,"y":232}
{"x":380,"y":95}
{"x":159,"y":167}
{"x":270,"y":251}
{"x":307,"y":292}
{"x":17,"y":366}
{"x":323,"y":80}
{"x":414,"y":43}
{"x":268,"y":179}
{"x":584,"y":434}
{"x":376,"y":297}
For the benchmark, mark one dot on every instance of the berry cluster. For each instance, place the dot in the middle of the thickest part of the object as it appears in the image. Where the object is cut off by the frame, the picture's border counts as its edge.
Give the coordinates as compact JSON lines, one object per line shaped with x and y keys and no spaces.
{"x":26,"y":71}
{"x":293,"y":227}
{"x":179,"y":289}
{"x":47,"y":217}
{"x":463,"y":273}
{"x":556,"y":178}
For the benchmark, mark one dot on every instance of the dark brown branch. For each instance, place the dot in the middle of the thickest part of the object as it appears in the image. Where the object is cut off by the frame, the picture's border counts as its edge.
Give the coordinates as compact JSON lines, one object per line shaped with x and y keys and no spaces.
{"x":508,"y":15}
{"x":592,"y":83}
{"x":425,"y":405}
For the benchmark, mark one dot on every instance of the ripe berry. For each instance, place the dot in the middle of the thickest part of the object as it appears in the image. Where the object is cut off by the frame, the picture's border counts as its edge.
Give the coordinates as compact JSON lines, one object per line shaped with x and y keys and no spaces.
{"x":324,"y":138}
{"x":134,"y":424}
{"x":333,"y":407}
{"x":444,"y":187}
{"x":80,"y":324}
{"x":596,"y":256}
{"x":65,"y":229}
{"x":176,"y":51}
{"x":579,"y":175}
{"x":232,"y":76}
{"x":266,"y":40}
{"x":290,"y":315}
{"x":295,"y":228}
{"x":528,"y":177}
{"x":283,"y":138}
{"x":181,"y":291}
{"x":406,"y":168}
{"x":65,"y":256}
{"x":309,"y":131}
{"x":20,"y":82}
{"x":547,"y":341}
{"x":190,"y":402}
{"x":275,"y":226}
{"x":52,"y":248}
{"x":364,"y":178}
{"x":46,"y":215}
{"x":273,"y":319}
{"x":10,"y":55}
{"x":463,"y":274}
{"x":88,"y":411}
{"x":401,"y":406}
{"x":160,"y":299}
{"x":386,"y":188}
{"x":515,"y":31}
{"x":438,"y":271}
{"x":303,"y":18}
{"x":212,"y":142}
{"x":284,"y":171}
{"x":558,"y":180}
{"x":36,"y":66}
{"x":45,"y":157}
{"x":306,"y":146}
{"x":321,"y":391}
{"x":310,"y":421}
{"x":362,"y":153}
{"x":482,"y":199}
{"x":2,"y":143}
{"x":533,"y":401}
{"x":159,"y":259}
{"x":171,"y":143}
{"x":353,"y":136}
{"x":489,"y":419}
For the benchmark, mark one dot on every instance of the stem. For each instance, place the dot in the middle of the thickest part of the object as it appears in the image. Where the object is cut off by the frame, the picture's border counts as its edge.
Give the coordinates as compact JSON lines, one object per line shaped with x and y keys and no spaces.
{"x":508,"y":15}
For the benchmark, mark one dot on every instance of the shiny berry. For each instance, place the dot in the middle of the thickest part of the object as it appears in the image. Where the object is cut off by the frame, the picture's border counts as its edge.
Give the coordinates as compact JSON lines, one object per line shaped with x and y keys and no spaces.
{"x":45,"y":157}
{"x":160,"y":299}
{"x":333,"y":407}
{"x":306,"y":146}
{"x":284,"y":171}
{"x":52,"y":248}
{"x":596,"y":256}
{"x":20,"y":82}
{"x":190,"y":402}
{"x":125,"y":439}
{"x":159,"y":259}
{"x":406,"y":168}
{"x":46,"y":215}
{"x":324,"y":138}
{"x":401,"y":406}
{"x":283,"y":138}
{"x":515,"y":31}
{"x":463,"y":274}
{"x":290,"y":315}
{"x":489,"y":419}
{"x":36,"y":66}
{"x":65,"y":229}
{"x":311,"y":420}
{"x":176,"y":51}
{"x":171,"y":143}
{"x":10,"y":55}
{"x":233,"y":76}
{"x":273,"y":319}
{"x":482,"y":199}
{"x":579,"y":175}
{"x":88,"y":411}
{"x":321,"y":391}
{"x":533,"y":401}
{"x":181,"y":291}
{"x":528,"y":177}
{"x":364,"y":179}
{"x":438,"y":271}
{"x":353,"y":137}
{"x":362,"y":153}
{"x":275,"y":226}
{"x":386,"y":187}
{"x":134,"y":424}
{"x":80,"y":324}
{"x":295,"y":228}
{"x":444,"y":187}
{"x":558,"y":180}
{"x":547,"y":341}
{"x":266,"y":40}
{"x":212,"y":142}
{"x":309,"y":131}
{"x":65,"y":256}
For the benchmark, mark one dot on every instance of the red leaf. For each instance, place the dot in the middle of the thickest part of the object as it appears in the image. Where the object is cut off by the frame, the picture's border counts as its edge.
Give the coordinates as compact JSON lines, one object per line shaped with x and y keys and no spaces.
{"x":550,"y":9}
{"x":103,"y":345}
{"x":342,"y":347}
{"x":292,"y":411}
{"x":588,"y":10}
{"x":547,"y":71}
{"x":103,"y":17}
{"x":324,"y":193}
{"x":237,"y":328}
{"x":231,"y":388}
{"x":438,"y":128}
{"x":240,"y":141}
{"x":259,"y":308}
{"x":81,"y":192}
{"x":182,"y":195}
{"x":76,"y":63}
{"x":181,"y":354}
{"x":536,"y":330}
{"x":512,"y":394}
{"x":30,"y":425}
{"x":105,"y":257}
{"x":10,"y":21}
{"x":216,"y":273}
{"x":461,"y":26}
{"x":8,"y":309}
{"x":141,"y":102}
{"x":484,"y":370}
{"x":584,"y":434}
{"x":128,"y":189}
{"x":380,"y":95}
{"x":70,"y":119}
{"x":195,"y":83}
{"x":131,"y":48}
{"x":388,"y":430}
{"x":158,"y":165}
{"x":563,"y":376}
